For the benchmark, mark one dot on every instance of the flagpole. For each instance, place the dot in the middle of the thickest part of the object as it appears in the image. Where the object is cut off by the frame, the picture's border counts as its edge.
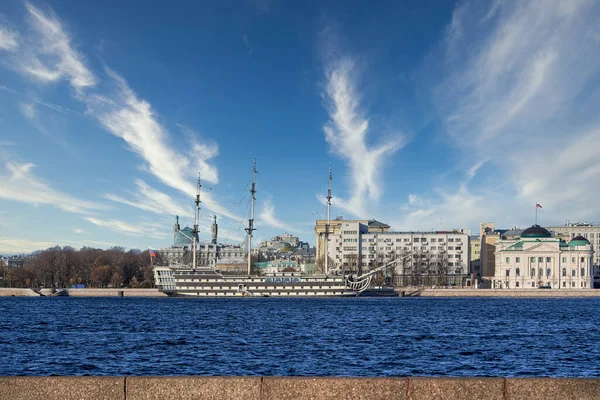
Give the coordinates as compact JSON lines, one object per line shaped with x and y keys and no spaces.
{"x":150,"y":254}
{"x":536,"y":207}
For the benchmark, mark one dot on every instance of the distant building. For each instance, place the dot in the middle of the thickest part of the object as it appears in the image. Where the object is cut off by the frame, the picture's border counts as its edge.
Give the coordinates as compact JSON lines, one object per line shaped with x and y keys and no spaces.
{"x":537,"y":260}
{"x":475,"y":242}
{"x":488,"y":236}
{"x":356,"y":246}
{"x":208,"y":254}
{"x":335,"y":225}
{"x":589,"y":231}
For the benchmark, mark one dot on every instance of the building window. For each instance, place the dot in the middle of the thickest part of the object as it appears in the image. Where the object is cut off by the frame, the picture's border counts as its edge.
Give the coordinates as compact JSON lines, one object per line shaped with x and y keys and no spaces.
{"x":548,"y":272}
{"x":532,"y":271}
{"x":518,"y":259}
{"x":532,"y":284}
{"x":572,"y":284}
{"x":573,"y":260}
{"x":518,"y":272}
{"x":532,"y":259}
{"x":548,"y":259}
{"x":564,"y":259}
{"x":564,"y":272}
{"x":572,"y":272}
{"x":564,"y":284}
{"x":582,"y":259}
{"x":451,"y":240}
{"x":540,"y":259}
{"x":507,"y":260}
{"x":508,"y":272}
{"x":582,"y":271}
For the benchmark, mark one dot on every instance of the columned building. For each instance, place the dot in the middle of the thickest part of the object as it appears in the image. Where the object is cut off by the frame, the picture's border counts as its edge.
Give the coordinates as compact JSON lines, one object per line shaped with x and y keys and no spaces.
{"x":538,"y":260}
{"x":589,"y":231}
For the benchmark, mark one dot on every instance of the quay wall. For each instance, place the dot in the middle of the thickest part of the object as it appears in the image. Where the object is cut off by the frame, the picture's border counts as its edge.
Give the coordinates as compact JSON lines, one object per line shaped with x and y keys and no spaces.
{"x":296,"y":388}
{"x":508,"y":293}
{"x":114,"y":293}
{"x":10,"y":292}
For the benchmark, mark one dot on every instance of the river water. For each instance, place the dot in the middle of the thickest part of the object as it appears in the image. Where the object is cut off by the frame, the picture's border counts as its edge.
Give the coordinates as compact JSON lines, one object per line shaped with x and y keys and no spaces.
{"x":300,"y":337}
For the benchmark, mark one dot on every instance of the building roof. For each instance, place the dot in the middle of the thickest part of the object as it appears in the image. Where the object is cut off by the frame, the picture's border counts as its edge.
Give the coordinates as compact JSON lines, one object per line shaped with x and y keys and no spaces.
{"x":578,"y":241}
{"x":536,"y":231}
{"x":513,"y":232}
{"x":377,"y":224}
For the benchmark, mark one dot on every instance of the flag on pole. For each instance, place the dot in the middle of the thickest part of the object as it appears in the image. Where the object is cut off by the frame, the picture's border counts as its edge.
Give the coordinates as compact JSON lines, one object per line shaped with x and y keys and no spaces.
{"x":537,"y":205}
{"x":152,"y":253}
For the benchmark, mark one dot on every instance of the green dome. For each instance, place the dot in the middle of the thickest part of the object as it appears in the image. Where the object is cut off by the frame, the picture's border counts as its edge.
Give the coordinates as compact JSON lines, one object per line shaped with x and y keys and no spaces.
{"x":536,"y":231}
{"x":579,"y":241}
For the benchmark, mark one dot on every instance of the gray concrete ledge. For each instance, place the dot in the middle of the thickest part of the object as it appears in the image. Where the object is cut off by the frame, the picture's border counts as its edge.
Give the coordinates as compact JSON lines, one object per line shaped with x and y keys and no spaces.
{"x":295,"y":388}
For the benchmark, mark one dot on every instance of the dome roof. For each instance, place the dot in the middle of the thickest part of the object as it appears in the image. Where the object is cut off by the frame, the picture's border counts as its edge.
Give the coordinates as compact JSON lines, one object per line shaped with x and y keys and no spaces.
{"x":579,"y":241}
{"x":536,"y":231}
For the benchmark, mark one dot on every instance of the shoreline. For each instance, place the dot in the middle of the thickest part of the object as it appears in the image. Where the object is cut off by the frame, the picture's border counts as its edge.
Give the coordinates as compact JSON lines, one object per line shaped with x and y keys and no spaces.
{"x":408,"y":292}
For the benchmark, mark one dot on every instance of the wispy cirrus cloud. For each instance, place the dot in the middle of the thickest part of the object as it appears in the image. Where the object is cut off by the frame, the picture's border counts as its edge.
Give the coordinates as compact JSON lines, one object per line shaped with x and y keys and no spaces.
{"x":18,"y":183}
{"x":149,"y":199}
{"x":8,"y":40}
{"x":268,"y":217}
{"x":53,"y":57}
{"x":346,"y":133}
{"x":137,"y":229}
{"x":516,"y":94}
{"x":50,"y":57}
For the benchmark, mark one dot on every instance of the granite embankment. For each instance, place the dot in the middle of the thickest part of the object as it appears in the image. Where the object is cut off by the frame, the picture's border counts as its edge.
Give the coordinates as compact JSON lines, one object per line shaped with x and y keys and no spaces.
{"x":285,"y":388}
{"x":15,"y":292}
{"x":9,"y":292}
{"x":504,"y":293}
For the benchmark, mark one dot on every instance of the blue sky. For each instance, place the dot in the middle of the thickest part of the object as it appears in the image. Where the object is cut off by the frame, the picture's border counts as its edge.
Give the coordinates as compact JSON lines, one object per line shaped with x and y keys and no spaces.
{"x":434,"y":115}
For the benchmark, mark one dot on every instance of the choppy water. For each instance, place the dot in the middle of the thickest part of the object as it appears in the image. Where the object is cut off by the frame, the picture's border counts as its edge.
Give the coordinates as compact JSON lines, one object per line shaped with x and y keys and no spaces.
{"x":268,"y":336}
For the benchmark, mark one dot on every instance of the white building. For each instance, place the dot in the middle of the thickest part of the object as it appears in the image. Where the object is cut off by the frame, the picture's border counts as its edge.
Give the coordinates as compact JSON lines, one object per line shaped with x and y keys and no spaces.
{"x":589,"y":231}
{"x":537,"y":260}
{"x":353,"y":247}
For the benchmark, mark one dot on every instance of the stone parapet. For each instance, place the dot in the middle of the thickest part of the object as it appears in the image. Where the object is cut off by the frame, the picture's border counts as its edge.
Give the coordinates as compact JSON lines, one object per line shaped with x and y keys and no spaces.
{"x":507,"y":292}
{"x":10,"y":292}
{"x":295,"y":388}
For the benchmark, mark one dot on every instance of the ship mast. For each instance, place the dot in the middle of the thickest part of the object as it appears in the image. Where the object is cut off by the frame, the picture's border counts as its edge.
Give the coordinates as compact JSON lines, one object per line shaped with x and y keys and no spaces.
{"x":327,"y":226}
{"x":196,"y":215}
{"x":250,"y":227}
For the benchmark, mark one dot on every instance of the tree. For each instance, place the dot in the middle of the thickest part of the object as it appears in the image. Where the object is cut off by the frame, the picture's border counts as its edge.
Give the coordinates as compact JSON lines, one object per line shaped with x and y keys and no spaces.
{"x":101,"y":275}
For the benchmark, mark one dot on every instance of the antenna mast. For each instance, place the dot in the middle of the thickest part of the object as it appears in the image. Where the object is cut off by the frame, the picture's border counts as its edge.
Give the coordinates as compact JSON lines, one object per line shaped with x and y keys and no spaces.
{"x":327,"y":226}
{"x":196,"y":215}
{"x":250,"y":227}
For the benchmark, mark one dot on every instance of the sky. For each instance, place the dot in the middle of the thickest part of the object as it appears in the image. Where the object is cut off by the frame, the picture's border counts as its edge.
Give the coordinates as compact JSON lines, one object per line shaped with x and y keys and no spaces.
{"x":434,"y":115}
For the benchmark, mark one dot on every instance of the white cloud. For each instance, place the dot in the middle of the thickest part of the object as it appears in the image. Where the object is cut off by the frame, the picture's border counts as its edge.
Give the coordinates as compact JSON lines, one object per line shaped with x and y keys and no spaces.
{"x":516,"y":95}
{"x":149,"y":199}
{"x":54,"y":47}
{"x":267,"y":217}
{"x":50,"y":56}
{"x":346,"y":133}
{"x":139,"y":229}
{"x":28,"y":111}
{"x":18,"y":246}
{"x":78,"y":231}
{"x":8,"y":39}
{"x":17,"y":183}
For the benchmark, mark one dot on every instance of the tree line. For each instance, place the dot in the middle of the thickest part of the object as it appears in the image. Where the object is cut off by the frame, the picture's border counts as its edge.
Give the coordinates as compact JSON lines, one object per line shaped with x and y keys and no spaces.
{"x":62,"y":267}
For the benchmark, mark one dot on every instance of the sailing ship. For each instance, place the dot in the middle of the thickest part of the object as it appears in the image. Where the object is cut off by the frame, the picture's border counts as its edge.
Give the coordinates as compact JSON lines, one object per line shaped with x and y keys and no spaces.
{"x":207,"y":281}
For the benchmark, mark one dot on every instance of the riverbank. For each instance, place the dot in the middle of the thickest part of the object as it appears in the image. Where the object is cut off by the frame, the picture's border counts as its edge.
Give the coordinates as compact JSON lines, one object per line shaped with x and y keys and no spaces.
{"x":292,"y":388}
{"x":502,"y":292}
{"x":12,"y":292}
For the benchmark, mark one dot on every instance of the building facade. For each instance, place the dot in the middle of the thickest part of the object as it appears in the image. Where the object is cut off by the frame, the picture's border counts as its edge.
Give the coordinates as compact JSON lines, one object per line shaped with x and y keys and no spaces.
{"x":587,"y":230}
{"x":335,"y":225}
{"x":355,"y":247}
{"x":538,"y":260}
